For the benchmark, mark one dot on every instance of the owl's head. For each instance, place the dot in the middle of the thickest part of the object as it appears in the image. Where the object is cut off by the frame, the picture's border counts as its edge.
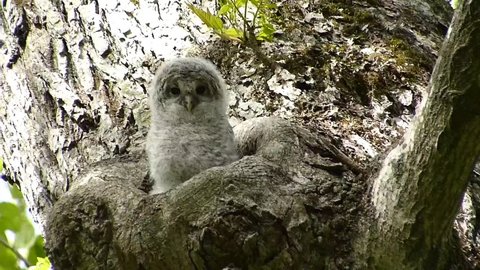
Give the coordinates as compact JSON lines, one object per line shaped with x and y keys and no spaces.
{"x":188,"y":88}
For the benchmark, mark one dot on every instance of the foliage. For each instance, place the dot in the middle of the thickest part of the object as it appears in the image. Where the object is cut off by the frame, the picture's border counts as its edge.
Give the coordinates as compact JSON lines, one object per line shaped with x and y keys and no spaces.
{"x":42,"y":264}
{"x":20,"y":246}
{"x":455,"y":3}
{"x":245,"y":19}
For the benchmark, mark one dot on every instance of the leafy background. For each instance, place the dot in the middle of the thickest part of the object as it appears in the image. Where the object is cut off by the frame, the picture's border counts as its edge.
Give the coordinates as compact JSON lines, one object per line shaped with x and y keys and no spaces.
{"x":21,"y":244}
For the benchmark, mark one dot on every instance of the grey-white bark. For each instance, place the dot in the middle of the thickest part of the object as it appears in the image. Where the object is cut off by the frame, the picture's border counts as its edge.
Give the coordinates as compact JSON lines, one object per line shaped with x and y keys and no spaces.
{"x":73,"y":119}
{"x":73,"y":86}
{"x":421,"y":184}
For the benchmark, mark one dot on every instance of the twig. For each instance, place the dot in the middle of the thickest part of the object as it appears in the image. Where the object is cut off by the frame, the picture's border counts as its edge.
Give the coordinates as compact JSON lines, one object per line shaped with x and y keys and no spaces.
{"x":15,"y":252}
{"x":250,"y":39}
{"x":244,"y":18}
{"x":256,"y":13}
{"x":245,"y":23}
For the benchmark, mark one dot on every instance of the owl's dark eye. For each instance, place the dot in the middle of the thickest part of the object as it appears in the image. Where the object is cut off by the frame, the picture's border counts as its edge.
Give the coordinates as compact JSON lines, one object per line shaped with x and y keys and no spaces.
{"x":201,"y":90}
{"x":174,"y":91}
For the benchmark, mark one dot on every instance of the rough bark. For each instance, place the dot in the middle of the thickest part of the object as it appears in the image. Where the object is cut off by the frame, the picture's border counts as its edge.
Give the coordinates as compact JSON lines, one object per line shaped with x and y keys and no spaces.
{"x":73,"y":82}
{"x":275,"y":209}
{"x":420,"y":187}
{"x":73,"y":119}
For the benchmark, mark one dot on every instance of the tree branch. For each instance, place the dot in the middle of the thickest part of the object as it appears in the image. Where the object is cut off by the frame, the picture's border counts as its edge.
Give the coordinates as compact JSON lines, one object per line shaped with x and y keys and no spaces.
{"x":419,"y":189}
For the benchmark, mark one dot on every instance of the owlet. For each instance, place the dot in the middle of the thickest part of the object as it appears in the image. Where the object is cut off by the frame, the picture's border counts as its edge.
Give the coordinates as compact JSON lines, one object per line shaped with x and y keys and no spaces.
{"x":189,"y":129}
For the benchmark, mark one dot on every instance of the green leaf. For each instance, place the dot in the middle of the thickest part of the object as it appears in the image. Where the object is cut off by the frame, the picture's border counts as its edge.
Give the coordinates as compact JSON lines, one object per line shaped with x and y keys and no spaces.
{"x":25,"y":236}
{"x":17,"y":195}
{"x":42,"y":264}
{"x":231,"y":34}
{"x":223,"y":2}
{"x":266,"y":30}
{"x":207,"y":18}
{"x":240,"y":3}
{"x":1,"y":165}
{"x":15,"y":219}
{"x":455,"y":3}
{"x":234,"y":33}
{"x":225,"y":9}
{"x":8,"y":259}
{"x":270,"y":6}
{"x":36,"y":251}
{"x":232,"y":16}
{"x":263,"y":4}
{"x":10,"y":217}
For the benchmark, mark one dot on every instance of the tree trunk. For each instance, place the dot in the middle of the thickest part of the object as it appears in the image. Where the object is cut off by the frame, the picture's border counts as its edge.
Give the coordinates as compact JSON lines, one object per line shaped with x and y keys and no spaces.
{"x":73,"y":86}
{"x":73,"y":120}
{"x":418,"y":191}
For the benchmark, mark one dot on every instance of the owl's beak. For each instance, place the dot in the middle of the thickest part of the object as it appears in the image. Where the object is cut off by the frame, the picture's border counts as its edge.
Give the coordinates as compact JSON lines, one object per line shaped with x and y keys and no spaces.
{"x":190,"y":103}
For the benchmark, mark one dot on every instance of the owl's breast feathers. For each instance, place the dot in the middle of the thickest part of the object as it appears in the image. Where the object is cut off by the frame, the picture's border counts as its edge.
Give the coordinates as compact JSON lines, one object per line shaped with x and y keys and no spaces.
{"x":196,"y":145}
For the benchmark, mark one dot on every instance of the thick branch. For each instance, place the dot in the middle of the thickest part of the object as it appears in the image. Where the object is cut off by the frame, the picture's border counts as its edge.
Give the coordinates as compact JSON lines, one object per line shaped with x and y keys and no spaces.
{"x":420,"y":187}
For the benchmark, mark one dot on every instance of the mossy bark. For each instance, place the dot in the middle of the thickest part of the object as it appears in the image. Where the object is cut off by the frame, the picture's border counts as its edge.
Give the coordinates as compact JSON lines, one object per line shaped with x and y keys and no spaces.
{"x":420,"y":187}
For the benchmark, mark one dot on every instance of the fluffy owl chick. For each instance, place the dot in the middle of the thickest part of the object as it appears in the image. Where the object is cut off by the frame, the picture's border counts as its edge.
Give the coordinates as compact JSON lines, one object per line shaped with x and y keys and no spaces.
{"x":189,"y":129}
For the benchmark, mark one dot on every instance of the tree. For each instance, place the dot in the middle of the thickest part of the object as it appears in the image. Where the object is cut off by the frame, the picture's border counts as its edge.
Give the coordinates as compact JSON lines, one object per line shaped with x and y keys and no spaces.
{"x":73,"y":119}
